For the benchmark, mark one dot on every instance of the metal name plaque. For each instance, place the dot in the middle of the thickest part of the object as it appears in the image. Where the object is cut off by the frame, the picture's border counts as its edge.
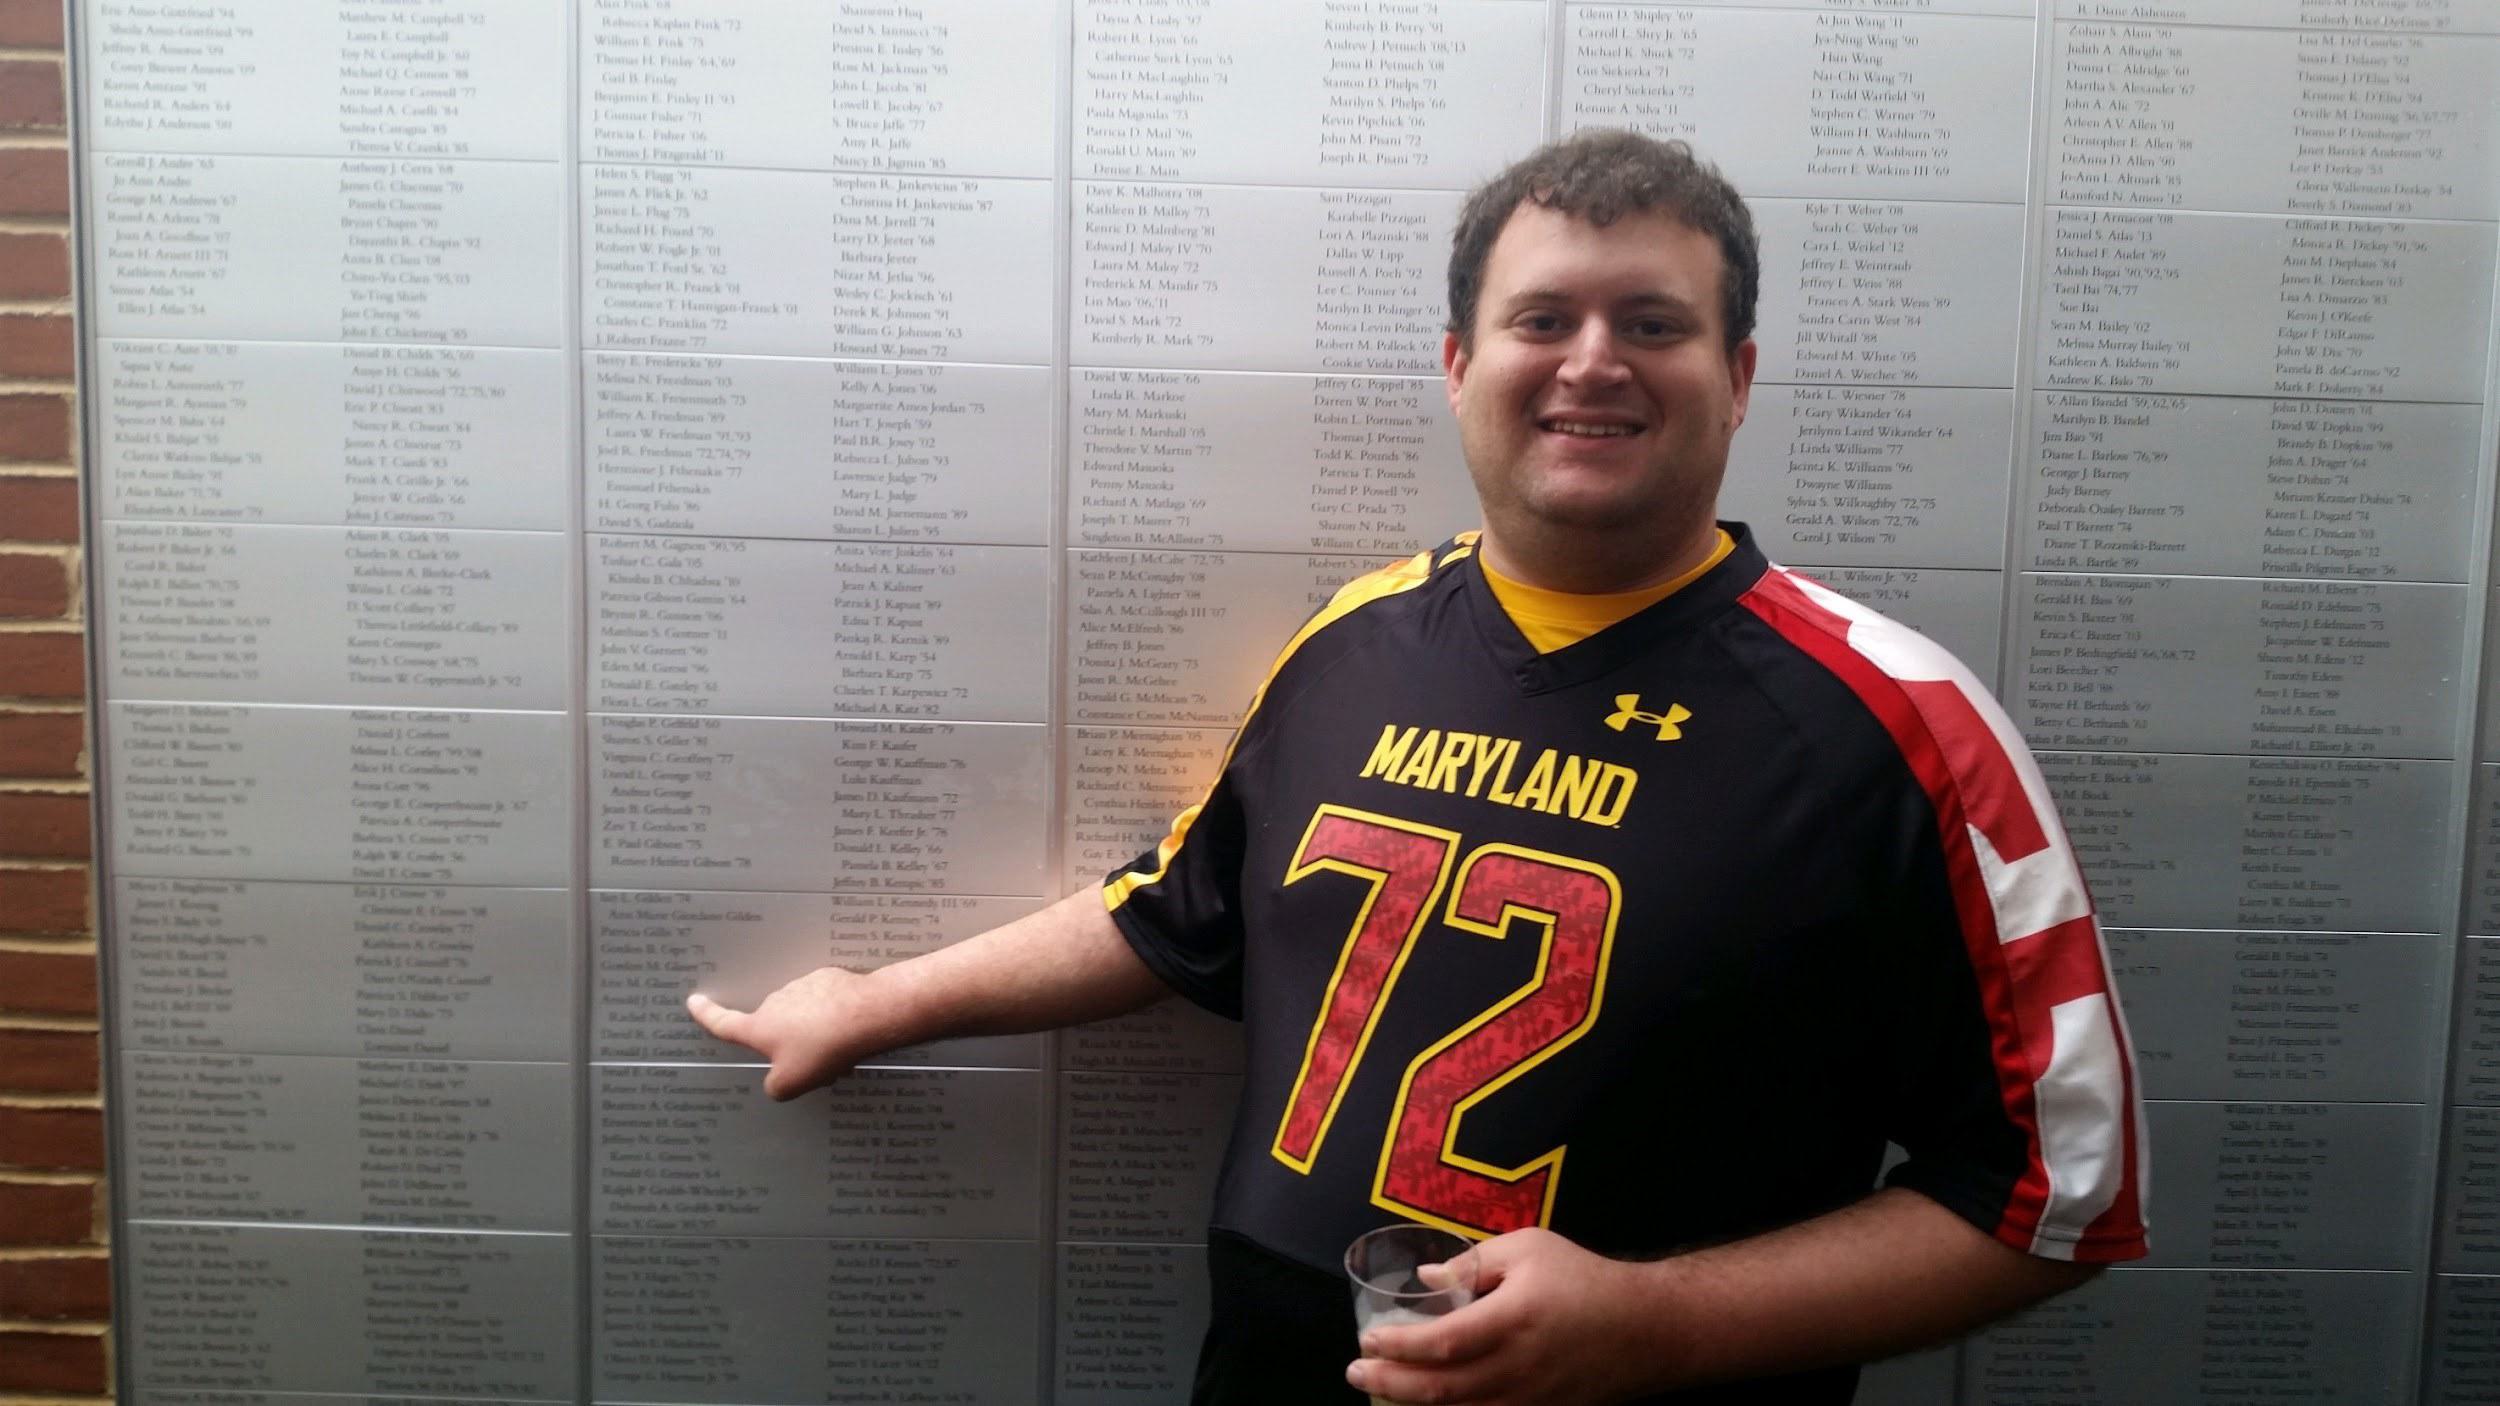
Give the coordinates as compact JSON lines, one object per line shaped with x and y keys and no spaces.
{"x":1130,"y":1317}
{"x":431,"y":1313}
{"x":369,"y":795}
{"x":2464,"y":1363}
{"x":1137,"y":1154}
{"x":767,"y":447}
{"x":2180,"y":1337}
{"x":1904,"y":106}
{"x":650,"y":949}
{"x":2177,"y":664}
{"x":435,"y":972}
{"x":2470,"y":1232}
{"x":885,"y":1152}
{"x":2476,"y":1063}
{"x":341,"y":435}
{"x":1873,"y":476}
{"x":2264,"y":843}
{"x":2289,"y":488}
{"x":2288,"y":1185}
{"x":743,"y":1319}
{"x":2294,"y":1015}
{"x":823,"y":115}
{"x":258,"y":1137}
{"x":1203,"y":460}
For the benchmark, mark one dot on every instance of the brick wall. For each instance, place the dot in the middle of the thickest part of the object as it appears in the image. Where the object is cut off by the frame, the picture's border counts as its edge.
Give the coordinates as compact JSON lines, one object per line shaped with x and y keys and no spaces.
{"x":54,"y":1289}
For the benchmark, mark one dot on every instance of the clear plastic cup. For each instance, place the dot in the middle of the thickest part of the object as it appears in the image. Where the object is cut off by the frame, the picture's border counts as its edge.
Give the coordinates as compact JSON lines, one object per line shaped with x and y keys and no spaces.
{"x":1387,"y":1289}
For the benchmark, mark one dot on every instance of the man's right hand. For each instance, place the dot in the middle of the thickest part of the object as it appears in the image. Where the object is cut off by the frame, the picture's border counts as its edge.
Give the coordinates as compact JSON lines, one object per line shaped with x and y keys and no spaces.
{"x":810,"y":1029}
{"x":1060,"y":965}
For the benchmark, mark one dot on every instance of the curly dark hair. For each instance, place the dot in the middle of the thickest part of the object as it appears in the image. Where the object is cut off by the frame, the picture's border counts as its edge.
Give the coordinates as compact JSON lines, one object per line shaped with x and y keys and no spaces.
{"x":1602,"y":175}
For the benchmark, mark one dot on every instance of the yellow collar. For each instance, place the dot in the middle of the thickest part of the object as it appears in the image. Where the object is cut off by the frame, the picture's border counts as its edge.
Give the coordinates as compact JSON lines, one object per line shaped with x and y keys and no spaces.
{"x":1550,"y":620}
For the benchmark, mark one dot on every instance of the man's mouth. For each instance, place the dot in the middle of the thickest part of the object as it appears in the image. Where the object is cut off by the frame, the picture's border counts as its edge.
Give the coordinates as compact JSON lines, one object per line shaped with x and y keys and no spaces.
{"x":1592,"y":429}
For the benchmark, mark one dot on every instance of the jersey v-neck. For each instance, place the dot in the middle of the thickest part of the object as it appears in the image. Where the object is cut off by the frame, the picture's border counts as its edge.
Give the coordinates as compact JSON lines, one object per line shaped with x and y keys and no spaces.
{"x":1620,"y":625}
{"x":1551,"y":620}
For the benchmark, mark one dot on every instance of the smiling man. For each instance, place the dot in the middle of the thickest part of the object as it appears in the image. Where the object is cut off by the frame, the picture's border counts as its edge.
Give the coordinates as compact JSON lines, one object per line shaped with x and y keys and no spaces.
{"x":1593,"y":888}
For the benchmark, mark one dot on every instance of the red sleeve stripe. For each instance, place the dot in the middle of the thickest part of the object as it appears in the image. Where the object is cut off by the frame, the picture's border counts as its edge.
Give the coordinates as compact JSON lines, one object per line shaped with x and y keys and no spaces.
{"x":2060,"y":1044}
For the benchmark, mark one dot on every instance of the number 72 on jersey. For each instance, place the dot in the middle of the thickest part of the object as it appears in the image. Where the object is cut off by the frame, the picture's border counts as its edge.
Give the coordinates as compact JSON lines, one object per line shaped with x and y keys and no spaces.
{"x":1568,"y":906}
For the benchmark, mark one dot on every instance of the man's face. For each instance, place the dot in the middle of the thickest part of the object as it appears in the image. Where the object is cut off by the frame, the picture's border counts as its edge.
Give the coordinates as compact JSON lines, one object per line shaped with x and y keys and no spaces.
{"x":1599,"y":395}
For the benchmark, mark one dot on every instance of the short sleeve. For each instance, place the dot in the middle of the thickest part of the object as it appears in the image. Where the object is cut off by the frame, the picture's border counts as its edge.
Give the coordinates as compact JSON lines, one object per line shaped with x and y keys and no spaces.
{"x":1179,"y":904}
{"x":2019,"y":1103}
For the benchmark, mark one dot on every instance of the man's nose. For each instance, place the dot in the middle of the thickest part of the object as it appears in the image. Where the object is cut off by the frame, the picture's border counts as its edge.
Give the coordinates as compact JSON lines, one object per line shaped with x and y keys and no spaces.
{"x":1594,"y":357}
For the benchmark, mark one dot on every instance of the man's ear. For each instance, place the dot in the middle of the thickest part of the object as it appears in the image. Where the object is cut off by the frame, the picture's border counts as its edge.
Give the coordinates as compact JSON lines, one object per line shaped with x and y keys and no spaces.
{"x":1454,"y":366}
{"x":1740,"y":363}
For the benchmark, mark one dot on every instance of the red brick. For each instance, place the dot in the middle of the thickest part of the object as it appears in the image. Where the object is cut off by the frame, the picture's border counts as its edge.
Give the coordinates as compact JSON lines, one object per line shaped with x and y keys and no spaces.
{"x":34,"y":425}
{"x":38,"y":345}
{"x":47,"y":983}
{"x":51,"y":1139}
{"x":44,"y":825}
{"x":34,"y":180}
{"x":46,"y":1213}
{"x":30,"y":24}
{"x":33,"y":586}
{"x":38,"y":509}
{"x":63,"y":1362}
{"x":46,"y":664}
{"x":63,"y":1287}
{"x":30,"y":93}
{"x":48,"y":1061}
{"x":44,"y":901}
{"x":34,"y":266}
{"x":43,"y":746}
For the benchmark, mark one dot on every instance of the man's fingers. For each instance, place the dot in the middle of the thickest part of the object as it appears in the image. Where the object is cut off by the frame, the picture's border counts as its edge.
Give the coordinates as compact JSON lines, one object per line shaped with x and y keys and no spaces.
{"x":1461,"y":1269}
{"x":1495,"y":1258}
{"x":1462,"y":1336}
{"x":719,"y":1020}
{"x":1416,"y":1386}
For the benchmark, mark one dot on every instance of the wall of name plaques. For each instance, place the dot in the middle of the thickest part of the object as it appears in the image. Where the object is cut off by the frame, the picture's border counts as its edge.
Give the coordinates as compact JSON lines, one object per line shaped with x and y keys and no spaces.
{"x":596,"y":497}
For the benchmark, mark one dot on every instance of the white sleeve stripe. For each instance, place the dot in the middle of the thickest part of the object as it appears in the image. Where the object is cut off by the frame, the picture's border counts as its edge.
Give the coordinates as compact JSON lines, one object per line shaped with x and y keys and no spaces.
{"x":2079,"y":1102}
{"x":2032,"y":894}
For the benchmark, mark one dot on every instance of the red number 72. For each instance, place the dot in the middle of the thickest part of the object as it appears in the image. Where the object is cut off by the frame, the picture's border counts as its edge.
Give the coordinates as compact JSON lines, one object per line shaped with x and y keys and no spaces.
{"x":1570,"y":903}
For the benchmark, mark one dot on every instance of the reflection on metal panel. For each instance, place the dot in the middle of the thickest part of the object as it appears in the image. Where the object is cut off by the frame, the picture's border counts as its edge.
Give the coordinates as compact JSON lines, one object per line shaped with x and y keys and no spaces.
{"x":801,"y":804}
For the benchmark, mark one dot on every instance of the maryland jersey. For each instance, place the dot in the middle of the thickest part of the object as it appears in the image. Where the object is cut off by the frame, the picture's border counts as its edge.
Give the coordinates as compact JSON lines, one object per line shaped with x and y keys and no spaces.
{"x":1654,"y":940}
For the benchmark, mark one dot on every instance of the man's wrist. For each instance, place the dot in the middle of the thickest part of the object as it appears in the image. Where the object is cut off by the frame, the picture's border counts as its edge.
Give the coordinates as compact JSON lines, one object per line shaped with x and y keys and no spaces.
{"x":1668,"y":1322}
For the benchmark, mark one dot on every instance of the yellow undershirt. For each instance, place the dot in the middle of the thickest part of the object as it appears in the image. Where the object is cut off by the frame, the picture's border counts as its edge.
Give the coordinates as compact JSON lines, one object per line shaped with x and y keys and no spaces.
{"x":1551,"y":620}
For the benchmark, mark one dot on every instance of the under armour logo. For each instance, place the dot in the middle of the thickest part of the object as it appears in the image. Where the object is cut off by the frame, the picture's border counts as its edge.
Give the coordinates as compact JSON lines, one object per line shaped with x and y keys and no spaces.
{"x":1628,"y":711}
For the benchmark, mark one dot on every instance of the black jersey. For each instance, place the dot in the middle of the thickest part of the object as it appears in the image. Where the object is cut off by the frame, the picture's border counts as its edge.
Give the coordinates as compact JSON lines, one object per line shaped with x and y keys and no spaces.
{"x":1654,"y":940}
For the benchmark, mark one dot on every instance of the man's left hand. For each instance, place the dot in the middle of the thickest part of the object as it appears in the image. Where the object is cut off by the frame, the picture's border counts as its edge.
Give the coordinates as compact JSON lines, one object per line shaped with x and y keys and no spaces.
{"x":1552,"y":1325}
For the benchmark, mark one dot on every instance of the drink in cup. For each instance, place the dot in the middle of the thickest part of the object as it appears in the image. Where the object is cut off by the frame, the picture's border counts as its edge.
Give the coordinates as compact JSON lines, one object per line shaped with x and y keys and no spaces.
{"x":1387,"y":1287}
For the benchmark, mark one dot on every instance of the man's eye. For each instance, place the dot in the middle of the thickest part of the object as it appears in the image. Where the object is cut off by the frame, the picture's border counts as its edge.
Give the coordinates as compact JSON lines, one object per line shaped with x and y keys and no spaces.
{"x":1652,"y":328}
{"x":1541,"y":322}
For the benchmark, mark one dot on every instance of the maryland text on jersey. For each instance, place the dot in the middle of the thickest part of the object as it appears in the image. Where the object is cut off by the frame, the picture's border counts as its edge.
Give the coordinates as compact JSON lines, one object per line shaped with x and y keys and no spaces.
{"x":1656,"y":939}
{"x":1474,"y":764}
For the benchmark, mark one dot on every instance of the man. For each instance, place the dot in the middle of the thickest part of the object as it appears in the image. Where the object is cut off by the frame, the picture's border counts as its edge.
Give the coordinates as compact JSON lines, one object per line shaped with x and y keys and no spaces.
{"x":1593,"y":888}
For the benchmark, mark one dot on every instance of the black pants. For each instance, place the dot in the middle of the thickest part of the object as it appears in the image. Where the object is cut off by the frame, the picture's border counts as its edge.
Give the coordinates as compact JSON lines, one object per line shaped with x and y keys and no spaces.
{"x":1280,"y":1333}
